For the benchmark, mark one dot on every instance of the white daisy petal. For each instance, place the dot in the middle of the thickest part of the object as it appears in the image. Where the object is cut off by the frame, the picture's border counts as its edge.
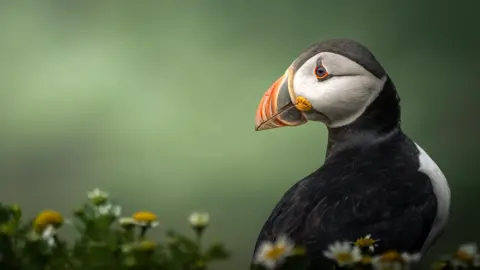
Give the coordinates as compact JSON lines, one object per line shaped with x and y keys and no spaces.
{"x":469,"y":248}
{"x":356,"y":254}
{"x":199,"y":219}
{"x":411,"y":258}
{"x":262,"y":250}
{"x":97,"y":193}
{"x":329,"y":254}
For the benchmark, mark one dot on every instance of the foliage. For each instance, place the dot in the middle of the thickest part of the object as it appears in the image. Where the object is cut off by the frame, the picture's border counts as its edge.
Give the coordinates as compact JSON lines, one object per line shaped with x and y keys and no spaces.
{"x":105,"y":241}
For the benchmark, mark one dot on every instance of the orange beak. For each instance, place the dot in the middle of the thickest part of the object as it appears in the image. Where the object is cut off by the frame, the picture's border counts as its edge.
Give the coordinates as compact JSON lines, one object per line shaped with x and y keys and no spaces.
{"x":276,"y":108}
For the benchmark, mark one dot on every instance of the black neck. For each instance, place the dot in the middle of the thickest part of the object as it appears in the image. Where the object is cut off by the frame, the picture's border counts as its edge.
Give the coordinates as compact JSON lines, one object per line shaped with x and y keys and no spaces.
{"x":382,"y":117}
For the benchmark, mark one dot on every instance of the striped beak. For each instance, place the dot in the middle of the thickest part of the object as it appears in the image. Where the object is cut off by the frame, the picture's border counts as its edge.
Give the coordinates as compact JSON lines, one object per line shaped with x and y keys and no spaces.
{"x":276,"y":108}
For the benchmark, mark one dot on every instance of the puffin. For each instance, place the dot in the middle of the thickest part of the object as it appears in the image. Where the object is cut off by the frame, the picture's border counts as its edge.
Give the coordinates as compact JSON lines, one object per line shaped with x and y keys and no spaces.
{"x":374,"y":180}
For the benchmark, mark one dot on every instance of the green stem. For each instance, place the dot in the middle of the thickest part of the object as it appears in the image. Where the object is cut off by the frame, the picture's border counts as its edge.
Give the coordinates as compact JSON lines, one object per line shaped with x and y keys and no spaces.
{"x":143,"y":231}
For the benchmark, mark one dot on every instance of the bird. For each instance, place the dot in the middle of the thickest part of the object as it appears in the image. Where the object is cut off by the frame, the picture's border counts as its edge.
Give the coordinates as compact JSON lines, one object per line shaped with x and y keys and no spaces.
{"x":374,"y":180}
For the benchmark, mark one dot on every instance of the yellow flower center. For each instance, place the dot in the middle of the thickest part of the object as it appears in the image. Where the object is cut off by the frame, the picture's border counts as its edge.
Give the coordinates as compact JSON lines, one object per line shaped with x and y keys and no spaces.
{"x":344,"y":257}
{"x":365,"y":242}
{"x":145,"y":216}
{"x":463,"y":256}
{"x":276,"y":253}
{"x":46,"y":218}
{"x":391,"y":256}
{"x":366,"y":260}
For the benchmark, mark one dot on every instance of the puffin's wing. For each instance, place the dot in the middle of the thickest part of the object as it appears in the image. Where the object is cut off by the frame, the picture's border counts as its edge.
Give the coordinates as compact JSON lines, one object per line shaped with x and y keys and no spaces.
{"x":401,"y":217}
{"x":318,"y":211}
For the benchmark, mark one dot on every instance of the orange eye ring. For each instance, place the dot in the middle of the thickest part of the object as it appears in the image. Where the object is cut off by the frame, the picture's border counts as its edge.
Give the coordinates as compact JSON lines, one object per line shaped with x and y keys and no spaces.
{"x":320,"y":72}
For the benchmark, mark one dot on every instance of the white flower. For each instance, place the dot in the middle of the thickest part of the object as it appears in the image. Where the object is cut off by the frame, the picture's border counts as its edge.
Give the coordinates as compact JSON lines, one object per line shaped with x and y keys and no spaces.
{"x":411,"y":258}
{"x":469,"y":249}
{"x":151,"y":224}
{"x":343,"y":253}
{"x":127,"y":221}
{"x":97,"y":194}
{"x":466,"y":253}
{"x":48,"y":235}
{"x":271,"y":254}
{"x":366,"y":242}
{"x":393,"y":260}
{"x":109,"y":209}
{"x":199,"y":219}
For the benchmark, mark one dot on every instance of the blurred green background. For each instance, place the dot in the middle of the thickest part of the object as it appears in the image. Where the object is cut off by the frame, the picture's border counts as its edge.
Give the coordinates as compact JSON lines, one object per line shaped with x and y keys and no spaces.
{"x":154,"y":101}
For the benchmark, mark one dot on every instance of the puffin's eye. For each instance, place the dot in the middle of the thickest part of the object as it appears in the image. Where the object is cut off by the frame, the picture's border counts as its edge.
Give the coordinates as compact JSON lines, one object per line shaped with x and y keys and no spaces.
{"x":320,"y":72}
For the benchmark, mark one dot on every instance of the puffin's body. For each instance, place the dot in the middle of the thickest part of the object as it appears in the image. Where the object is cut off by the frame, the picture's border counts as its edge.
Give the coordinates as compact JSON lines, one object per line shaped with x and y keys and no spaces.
{"x":375,"y":179}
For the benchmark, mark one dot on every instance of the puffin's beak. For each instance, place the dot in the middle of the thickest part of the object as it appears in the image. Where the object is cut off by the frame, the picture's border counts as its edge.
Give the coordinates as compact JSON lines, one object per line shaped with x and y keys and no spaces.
{"x":276,"y":108}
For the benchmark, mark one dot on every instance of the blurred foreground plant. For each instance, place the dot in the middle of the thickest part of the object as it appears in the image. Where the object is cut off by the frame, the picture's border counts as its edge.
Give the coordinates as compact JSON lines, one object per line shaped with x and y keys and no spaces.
{"x":360,"y":254}
{"x":106,"y":240}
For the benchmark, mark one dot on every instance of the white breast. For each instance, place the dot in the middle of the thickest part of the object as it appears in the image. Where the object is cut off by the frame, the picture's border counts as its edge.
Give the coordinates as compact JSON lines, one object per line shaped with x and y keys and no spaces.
{"x":442,"y":192}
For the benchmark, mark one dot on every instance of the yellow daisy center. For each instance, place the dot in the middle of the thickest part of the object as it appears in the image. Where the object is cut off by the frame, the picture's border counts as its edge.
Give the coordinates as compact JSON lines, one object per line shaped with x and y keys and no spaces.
{"x":145,"y":216}
{"x":463,"y":256}
{"x":343,"y":257}
{"x":276,"y":252}
{"x":365,"y":242}
{"x":46,"y":218}
{"x":391,"y":256}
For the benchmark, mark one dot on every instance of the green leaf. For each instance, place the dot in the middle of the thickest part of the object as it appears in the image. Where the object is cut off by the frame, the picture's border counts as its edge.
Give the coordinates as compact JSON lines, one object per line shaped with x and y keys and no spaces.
{"x":216,"y":252}
{"x":5,"y":214}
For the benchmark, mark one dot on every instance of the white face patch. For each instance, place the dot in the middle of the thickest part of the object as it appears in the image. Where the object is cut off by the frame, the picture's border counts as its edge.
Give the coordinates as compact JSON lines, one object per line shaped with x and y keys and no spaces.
{"x":344,"y":96}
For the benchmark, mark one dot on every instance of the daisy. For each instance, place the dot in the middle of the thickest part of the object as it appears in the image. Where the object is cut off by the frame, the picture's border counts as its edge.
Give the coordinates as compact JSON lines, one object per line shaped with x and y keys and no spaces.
{"x":97,"y":196}
{"x":47,"y":218}
{"x":392,"y":260}
{"x":465,"y":255}
{"x":366,"y":242}
{"x":271,"y":254}
{"x":146,"y":219}
{"x":127,"y":222}
{"x":199,"y":219}
{"x":109,"y":209}
{"x":343,"y":253}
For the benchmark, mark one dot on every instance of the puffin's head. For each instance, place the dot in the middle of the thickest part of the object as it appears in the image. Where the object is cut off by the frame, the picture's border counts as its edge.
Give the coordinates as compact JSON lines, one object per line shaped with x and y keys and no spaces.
{"x":332,"y":82}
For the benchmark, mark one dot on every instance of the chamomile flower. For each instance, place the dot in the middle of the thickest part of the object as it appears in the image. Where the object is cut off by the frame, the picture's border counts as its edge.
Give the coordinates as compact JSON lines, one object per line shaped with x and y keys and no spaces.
{"x":366,"y":242}
{"x":146,"y":219}
{"x":199,"y":219}
{"x":47,"y":218}
{"x":409,"y":258}
{"x":109,"y":209}
{"x":465,"y":255}
{"x":343,"y":253}
{"x":127,"y":222}
{"x":271,"y":254}
{"x":393,"y":260}
{"x":97,"y":196}
{"x":390,"y":260}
